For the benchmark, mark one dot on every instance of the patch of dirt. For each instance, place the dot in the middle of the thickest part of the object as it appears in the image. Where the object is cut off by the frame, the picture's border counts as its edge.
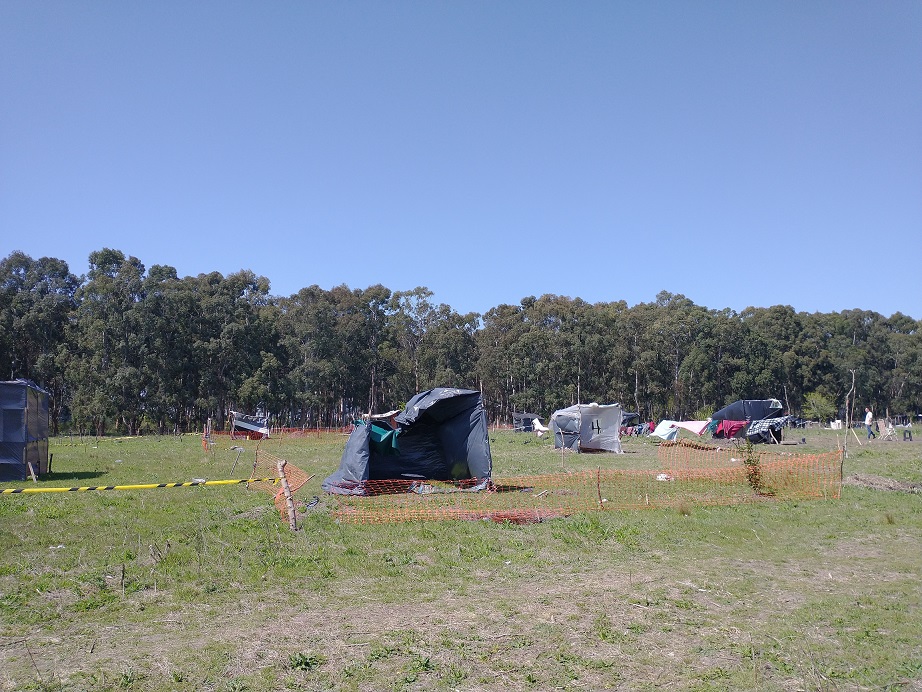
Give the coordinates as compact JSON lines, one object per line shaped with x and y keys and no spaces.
{"x":868,"y":480}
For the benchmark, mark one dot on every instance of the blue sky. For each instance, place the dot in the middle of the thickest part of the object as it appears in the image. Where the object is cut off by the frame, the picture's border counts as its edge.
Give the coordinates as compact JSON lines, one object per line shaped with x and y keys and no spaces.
{"x":740,"y":153}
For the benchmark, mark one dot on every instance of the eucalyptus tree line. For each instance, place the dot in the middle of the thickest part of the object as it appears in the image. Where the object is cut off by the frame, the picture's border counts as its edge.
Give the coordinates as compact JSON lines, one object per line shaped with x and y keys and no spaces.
{"x":127,"y":349}
{"x":37,"y":298}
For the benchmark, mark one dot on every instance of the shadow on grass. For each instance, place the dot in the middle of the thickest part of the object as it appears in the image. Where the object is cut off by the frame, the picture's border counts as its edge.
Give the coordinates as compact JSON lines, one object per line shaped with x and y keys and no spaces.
{"x":72,"y":475}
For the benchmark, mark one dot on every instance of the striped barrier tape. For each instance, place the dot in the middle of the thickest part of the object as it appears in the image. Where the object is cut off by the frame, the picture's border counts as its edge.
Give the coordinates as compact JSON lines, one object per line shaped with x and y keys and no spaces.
{"x":144,"y":486}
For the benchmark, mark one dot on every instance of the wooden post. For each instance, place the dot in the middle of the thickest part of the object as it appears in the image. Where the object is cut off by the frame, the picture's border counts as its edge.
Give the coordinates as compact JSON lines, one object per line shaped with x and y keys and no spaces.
{"x":289,"y":501}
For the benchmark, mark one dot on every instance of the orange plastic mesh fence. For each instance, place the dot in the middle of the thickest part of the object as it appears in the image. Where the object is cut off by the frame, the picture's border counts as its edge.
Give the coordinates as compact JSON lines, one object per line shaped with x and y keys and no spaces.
{"x":767,"y":470}
{"x":692,"y":477}
{"x":266,"y":466}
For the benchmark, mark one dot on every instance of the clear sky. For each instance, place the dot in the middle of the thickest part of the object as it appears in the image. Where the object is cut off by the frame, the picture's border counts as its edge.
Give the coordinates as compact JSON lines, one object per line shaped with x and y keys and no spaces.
{"x":737,"y":152}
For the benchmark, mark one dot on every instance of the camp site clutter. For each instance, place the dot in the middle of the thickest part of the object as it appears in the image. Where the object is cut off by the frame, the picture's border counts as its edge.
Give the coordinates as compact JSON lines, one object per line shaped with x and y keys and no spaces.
{"x":433,"y":461}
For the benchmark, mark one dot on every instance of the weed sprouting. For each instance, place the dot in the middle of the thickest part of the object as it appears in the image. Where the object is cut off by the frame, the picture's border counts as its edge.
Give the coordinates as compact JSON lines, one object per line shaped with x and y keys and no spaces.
{"x":305,"y":661}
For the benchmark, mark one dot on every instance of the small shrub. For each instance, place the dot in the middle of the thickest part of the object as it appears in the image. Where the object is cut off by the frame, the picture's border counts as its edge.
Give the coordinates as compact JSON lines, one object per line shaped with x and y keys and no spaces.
{"x":302,"y":661}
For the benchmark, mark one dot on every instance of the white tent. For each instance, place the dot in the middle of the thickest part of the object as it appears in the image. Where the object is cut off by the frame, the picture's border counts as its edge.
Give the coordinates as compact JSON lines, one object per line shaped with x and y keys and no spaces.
{"x":669,"y":429}
{"x":594,"y":427}
{"x":666,"y":429}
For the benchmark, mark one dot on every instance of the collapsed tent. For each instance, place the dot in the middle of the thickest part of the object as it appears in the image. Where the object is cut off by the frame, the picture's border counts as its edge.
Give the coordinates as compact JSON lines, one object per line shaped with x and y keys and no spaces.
{"x":440,"y":435}
{"x":23,"y":430}
{"x":589,"y":427}
{"x":253,"y":427}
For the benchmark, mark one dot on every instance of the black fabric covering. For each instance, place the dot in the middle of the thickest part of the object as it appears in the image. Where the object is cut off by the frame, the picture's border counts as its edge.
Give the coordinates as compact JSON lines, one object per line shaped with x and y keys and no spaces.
{"x":749,"y":409}
{"x":522,"y":422}
{"x":441,"y":435}
{"x":23,"y":429}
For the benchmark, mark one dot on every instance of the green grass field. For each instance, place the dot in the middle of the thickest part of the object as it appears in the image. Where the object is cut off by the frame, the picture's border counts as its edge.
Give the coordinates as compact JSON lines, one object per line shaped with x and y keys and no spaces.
{"x":204,"y":588}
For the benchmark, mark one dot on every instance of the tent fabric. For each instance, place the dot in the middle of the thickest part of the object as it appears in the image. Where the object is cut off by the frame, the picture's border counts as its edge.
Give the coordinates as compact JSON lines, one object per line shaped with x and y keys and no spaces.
{"x":23,"y":429}
{"x":629,"y":418}
{"x":750,"y":410}
{"x":440,"y":435}
{"x":729,"y":428}
{"x":767,"y":430}
{"x":666,"y":430}
{"x":590,"y":427}
{"x":696,"y":426}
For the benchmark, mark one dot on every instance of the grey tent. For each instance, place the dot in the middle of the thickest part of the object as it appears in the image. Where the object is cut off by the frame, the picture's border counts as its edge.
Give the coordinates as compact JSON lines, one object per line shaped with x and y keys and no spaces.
{"x":23,"y":430}
{"x":440,"y":435}
{"x":588,"y":427}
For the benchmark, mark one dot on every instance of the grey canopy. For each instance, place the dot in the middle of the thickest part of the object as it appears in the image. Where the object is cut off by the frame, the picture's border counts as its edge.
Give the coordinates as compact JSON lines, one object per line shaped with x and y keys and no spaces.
{"x":588,"y":427}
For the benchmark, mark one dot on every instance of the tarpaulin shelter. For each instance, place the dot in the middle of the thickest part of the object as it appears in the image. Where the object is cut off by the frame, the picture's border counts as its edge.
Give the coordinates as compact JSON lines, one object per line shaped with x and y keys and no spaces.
{"x":524,"y":422}
{"x":749,"y":409}
{"x":23,"y":430}
{"x":669,"y":429}
{"x":253,"y":427}
{"x":589,"y":427}
{"x":629,"y":418}
{"x":440,"y":435}
{"x":666,"y":430}
{"x":727,"y":428}
{"x":747,"y":412}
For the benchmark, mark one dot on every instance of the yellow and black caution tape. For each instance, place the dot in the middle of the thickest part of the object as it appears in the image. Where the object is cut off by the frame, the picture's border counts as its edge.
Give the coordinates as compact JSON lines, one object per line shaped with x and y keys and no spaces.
{"x":143,"y":486}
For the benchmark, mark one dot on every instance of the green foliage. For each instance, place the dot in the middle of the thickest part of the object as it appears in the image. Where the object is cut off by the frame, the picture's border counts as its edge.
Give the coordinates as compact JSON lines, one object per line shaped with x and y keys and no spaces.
{"x":819,"y":407}
{"x":303,"y":661}
{"x":134,"y":350}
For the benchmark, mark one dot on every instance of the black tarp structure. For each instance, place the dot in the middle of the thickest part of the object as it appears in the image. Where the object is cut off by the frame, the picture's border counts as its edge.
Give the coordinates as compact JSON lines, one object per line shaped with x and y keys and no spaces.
{"x":440,"y":435}
{"x":522,"y":422}
{"x":753,"y":411}
{"x":750,"y":409}
{"x":628,"y":418}
{"x":23,"y":430}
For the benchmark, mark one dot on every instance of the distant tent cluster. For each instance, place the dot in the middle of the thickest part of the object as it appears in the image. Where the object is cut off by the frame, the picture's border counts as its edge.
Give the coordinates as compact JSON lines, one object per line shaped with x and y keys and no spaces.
{"x":442,"y":435}
{"x":758,"y":420}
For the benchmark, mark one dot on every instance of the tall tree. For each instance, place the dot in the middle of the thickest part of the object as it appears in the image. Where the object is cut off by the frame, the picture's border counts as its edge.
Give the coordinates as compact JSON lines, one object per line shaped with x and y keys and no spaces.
{"x":36,"y":300}
{"x":107,"y":342}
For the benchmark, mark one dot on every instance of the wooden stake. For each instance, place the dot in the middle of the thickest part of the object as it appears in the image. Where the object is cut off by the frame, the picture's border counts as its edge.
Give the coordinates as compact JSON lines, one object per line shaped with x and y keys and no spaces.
{"x":289,"y":500}
{"x":856,"y":437}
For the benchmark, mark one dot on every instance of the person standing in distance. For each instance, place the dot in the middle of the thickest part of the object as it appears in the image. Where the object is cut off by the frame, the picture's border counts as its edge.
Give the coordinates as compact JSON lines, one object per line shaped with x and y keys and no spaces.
{"x":868,"y":421}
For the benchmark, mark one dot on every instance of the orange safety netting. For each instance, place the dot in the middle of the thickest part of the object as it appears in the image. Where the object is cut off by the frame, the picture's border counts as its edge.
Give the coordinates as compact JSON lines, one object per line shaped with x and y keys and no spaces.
{"x":267,"y":466}
{"x":691,"y":475}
